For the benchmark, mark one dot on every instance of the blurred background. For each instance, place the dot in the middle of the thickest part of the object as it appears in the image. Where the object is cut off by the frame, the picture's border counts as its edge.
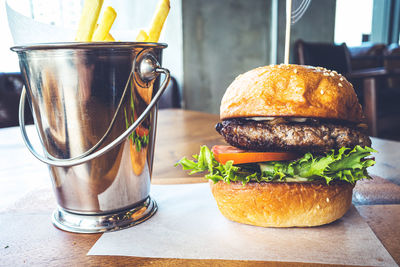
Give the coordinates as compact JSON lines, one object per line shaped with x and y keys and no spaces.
{"x":212,"y":42}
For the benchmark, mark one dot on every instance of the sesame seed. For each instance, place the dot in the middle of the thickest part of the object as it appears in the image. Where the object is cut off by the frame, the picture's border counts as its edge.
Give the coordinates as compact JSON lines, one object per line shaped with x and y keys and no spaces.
{"x":322,"y":92}
{"x":326,"y":74}
{"x":295,"y":70}
{"x":340,"y":84}
{"x":332,"y":74}
{"x":341,"y":78}
{"x":327,"y":199}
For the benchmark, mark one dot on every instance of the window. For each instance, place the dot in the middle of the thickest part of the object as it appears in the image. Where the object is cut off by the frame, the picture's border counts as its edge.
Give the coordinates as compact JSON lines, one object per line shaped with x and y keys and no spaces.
{"x":353,"y":22}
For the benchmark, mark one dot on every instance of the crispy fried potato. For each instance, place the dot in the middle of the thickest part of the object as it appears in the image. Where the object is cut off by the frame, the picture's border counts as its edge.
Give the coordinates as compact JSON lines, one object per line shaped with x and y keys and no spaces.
{"x":158,"y":20}
{"x":87,"y":23}
{"x":142,"y":36}
{"x":107,"y":20}
{"x":109,"y":38}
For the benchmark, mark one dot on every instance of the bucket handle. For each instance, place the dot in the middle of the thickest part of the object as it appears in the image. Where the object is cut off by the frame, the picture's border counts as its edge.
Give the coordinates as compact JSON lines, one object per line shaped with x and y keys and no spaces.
{"x":154,"y":68}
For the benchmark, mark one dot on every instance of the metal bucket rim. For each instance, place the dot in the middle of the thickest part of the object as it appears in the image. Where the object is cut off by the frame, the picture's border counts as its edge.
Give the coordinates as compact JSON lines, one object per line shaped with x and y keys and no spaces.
{"x":89,"y":45}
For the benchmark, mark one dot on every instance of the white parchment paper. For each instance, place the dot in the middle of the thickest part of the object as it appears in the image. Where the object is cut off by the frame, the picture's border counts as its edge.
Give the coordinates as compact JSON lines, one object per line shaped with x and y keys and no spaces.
{"x":188,"y":225}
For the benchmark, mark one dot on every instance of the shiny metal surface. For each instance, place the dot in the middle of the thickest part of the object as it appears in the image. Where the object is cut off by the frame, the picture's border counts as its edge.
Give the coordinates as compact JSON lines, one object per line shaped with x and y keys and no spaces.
{"x":75,"y":92}
{"x":118,"y":220}
{"x":92,"y":45}
{"x":147,"y":67}
{"x":90,"y":154}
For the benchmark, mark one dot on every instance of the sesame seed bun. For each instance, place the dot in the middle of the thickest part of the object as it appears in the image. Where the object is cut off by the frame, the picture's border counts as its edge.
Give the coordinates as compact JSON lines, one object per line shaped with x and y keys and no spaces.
{"x":292,"y":91}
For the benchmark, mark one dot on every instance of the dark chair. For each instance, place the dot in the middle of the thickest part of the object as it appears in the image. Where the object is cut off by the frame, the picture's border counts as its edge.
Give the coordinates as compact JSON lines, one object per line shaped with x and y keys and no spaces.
{"x":171,"y":97}
{"x":10,"y":91}
{"x":366,"y":56}
{"x":391,"y":61}
{"x":380,"y":103}
{"x":330,"y":56}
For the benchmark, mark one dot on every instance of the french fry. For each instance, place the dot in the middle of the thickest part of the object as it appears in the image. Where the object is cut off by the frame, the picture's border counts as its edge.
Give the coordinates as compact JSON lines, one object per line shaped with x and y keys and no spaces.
{"x":158,"y":20}
{"x":142,"y":36}
{"x":107,"y":20}
{"x":109,"y":38}
{"x":87,"y":23}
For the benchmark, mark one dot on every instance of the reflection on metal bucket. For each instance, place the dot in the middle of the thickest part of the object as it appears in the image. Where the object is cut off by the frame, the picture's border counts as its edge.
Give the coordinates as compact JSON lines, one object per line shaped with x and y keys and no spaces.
{"x":94,"y":107}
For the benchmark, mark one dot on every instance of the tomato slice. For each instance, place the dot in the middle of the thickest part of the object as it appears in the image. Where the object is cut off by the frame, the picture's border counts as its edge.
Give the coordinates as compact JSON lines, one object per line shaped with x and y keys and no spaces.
{"x":224,"y":153}
{"x":141,"y":131}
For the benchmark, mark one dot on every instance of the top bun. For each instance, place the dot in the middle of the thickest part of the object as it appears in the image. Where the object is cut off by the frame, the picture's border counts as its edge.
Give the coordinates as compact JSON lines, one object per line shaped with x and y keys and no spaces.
{"x":292,"y":91}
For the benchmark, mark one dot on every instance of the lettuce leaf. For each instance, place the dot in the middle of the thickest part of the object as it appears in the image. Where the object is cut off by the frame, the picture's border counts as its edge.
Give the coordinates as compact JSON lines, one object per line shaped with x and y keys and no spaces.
{"x":345,"y":164}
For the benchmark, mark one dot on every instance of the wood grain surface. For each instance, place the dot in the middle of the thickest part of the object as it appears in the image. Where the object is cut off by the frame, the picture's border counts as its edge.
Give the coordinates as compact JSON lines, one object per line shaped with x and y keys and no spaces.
{"x":383,"y":220}
{"x":181,"y":133}
{"x":27,"y":237}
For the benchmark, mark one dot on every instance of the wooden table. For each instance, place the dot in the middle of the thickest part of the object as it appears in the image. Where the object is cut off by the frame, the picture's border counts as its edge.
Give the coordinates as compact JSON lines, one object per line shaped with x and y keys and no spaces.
{"x":27,"y":236}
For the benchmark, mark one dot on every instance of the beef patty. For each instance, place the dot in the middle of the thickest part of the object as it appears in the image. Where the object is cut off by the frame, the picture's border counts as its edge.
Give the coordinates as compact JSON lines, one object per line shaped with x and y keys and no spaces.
{"x":282,"y":135}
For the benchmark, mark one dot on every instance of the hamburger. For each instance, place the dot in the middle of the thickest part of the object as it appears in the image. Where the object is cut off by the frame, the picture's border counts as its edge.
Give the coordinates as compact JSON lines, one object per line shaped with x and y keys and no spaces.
{"x":298,"y":144}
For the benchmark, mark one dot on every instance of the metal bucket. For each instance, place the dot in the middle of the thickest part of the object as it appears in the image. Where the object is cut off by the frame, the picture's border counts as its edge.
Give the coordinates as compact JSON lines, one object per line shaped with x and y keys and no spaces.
{"x":94,"y":106}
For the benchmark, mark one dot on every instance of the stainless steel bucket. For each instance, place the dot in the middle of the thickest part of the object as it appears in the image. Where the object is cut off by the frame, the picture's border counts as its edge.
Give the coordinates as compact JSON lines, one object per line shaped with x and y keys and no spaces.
{"x":94,"y":106}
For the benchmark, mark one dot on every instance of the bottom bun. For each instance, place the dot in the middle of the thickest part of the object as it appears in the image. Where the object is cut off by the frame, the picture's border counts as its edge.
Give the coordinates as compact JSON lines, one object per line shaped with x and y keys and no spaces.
{"x":283,"y":204}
